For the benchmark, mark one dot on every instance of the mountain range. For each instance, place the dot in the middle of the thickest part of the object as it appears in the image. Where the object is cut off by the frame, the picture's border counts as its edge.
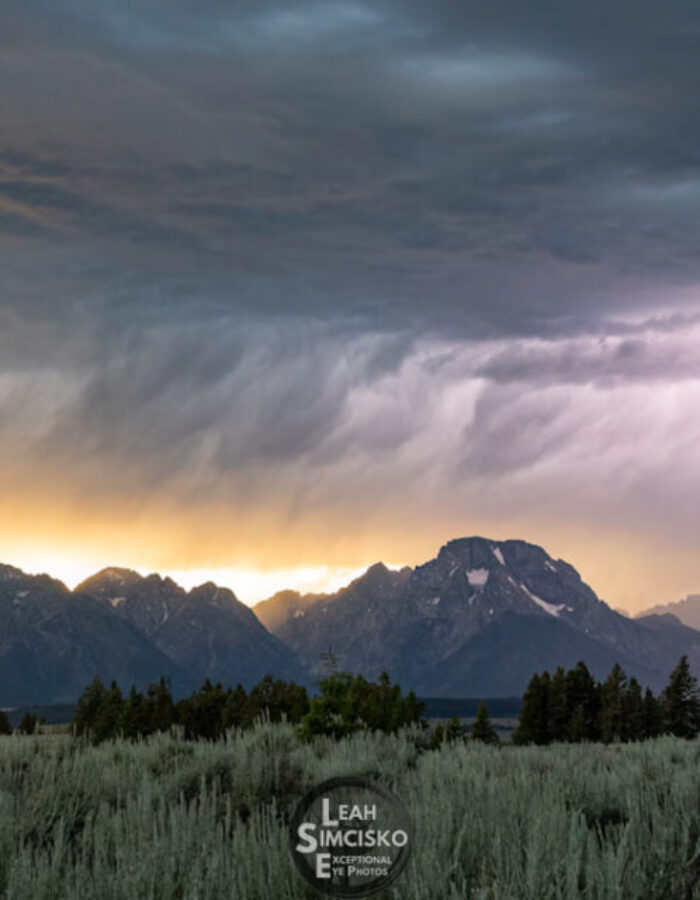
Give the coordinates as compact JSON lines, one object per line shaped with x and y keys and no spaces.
{"x":686,"y":611}
{"x":477,"y":620}
{"x":123,"y":626}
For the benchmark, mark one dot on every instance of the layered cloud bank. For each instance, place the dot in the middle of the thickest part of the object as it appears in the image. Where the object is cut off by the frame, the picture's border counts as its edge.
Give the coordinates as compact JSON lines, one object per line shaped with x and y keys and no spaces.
{"x":317,"y":284}
{"x":310,"y":447}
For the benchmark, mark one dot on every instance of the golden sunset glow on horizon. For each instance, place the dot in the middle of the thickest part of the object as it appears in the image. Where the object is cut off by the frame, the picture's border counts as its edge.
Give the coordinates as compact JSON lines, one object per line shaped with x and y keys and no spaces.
{"x":621,"y":567}
{"x":249,"y":585}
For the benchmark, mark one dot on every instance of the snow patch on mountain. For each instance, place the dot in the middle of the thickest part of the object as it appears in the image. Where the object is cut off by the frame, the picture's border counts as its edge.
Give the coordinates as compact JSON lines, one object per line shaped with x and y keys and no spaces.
{"x":498,"y":553}
{"x":477,"y":577}
{"x":552,"y":608}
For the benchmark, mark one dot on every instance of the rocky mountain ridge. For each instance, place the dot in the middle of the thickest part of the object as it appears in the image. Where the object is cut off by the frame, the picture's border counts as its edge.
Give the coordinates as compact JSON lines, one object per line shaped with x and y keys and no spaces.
{"x":134,"y":629}
{"x":686,"y":611}
{"x":479,"y":618}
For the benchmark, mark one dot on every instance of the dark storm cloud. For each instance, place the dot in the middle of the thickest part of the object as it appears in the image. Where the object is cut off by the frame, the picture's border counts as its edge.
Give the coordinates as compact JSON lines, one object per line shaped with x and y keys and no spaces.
{"x":351,"y":251}
{"x":605,"y":361}
{"x":382,"y":151}
{"x":216,"y":403}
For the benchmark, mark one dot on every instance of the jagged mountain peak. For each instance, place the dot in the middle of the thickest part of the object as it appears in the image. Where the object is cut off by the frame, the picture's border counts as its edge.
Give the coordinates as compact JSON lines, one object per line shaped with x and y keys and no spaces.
{"x":222,"y":597}
{"x":54,"y":641}
{"x":478,"y":552}
{"x":122,"y":625}
{"x":375,"y":584}
{"x":117,"y":573}
{"x":378,"y":576}
{"x":284,"y":605}
{"x":473,"y":598}
{"x":10,"y":573}
{"x":376,"y":569}
{"x":109,"y":579}
{"x":210,"y":588}
{"x":470,"y":549}
{"x":493,"y":577}
{"x":14,"y":578}
{"x":147,"y":601}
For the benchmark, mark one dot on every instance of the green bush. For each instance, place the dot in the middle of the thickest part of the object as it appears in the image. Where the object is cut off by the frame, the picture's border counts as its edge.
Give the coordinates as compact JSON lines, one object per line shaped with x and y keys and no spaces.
{"x":347,"y":703}
{"x":447,"y":732}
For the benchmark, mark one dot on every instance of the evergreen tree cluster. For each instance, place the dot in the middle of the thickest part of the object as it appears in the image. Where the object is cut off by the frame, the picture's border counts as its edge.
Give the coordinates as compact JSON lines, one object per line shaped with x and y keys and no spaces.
{"x":345,"y":703}
{"x":482,"y":730}
{"x":568,"y":706}
{"x":29,"y":723}
{"x":104,"y":713}
{"x":571,"y":706}
{"x":348,"y":703}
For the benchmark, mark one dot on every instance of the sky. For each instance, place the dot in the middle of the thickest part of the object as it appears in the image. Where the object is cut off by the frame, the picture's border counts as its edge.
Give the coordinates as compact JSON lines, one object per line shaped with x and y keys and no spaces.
{"x":290,"y":288}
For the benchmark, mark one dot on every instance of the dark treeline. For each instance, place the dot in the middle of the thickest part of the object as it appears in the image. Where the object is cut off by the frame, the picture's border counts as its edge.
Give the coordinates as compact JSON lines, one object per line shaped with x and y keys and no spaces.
{"x":104,"y":712}
{"x":28,"y":724}
{"x":345,"y":703}
{"x":571,"y":706}
{"x":568,"y":706}
{"x":482,"y":730}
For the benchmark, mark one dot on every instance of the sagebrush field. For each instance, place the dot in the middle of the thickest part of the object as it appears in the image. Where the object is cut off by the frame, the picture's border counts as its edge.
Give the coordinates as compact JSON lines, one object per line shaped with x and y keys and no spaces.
{"x":166,"y":818}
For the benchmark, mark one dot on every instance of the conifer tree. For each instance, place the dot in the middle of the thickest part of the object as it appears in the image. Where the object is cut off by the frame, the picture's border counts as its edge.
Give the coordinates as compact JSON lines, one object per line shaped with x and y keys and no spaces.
{"x":235,"y":711}
{"x":612,"y":692}
{"x":5,"y":727}
{"x":557,"y":708}
{"x":482,"y":730}
{"x":134,"y":719}
{"x":202,"y":713}
{"x":653,"y":722}
{"x":447,"y":733}
{"x":680,"y":702}
{"x":89,"y":705}
{"x":583,"y":701}
{"x":29,"y":723}
{"x":331,"y":712}
{"x":632,"y":712}
{"x":532,"y":726}
{"x":160,"y":707}
{"x":108,"y":717}
{"x":278,"y":699}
